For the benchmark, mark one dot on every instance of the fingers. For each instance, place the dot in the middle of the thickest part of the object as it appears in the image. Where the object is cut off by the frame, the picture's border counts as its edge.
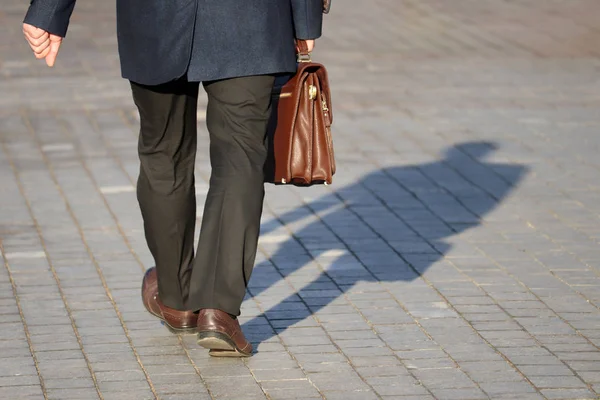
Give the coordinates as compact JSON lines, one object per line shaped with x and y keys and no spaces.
{"x":55,"y":42}
{"x":33,"y":32}
{"x":43,"y":44}
{"x":43,"y":54}
{"x":310,"y":44}
{"x":41,"y":48}
{"x":39,"y":43}
{"x":38,"y":39}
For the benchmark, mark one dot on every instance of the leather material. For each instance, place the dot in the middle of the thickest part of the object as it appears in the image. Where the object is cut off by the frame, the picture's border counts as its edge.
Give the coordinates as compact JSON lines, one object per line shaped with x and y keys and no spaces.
{"x":174,"y":318}
{"x":212,"y":320}
{"x":299,"y":135}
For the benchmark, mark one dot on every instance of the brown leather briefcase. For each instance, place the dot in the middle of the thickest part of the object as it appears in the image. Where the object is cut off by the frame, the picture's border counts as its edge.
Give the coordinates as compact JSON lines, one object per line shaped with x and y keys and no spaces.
{"x":299,"y":136}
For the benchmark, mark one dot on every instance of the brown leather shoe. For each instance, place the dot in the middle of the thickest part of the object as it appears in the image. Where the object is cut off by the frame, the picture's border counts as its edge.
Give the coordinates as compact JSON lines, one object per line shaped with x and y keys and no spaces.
{"x":176,"y":321}
{"x":222,"y":334}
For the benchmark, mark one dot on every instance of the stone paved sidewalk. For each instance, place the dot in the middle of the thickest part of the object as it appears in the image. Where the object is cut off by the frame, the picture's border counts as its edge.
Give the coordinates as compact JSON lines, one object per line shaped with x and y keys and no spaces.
{"x":455,"y":257}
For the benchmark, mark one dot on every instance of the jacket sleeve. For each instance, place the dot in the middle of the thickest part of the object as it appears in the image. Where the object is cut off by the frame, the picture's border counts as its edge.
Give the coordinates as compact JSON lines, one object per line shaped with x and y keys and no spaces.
{"x":51,"y":15}
{"x":308,"y":18}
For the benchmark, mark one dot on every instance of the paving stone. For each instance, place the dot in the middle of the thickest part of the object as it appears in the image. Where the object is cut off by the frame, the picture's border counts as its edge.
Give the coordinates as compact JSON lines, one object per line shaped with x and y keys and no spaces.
{"x":19,"y":380}
{"x":350,"y":395}
{"x":21,"y":392}
{"x":367,"y":351}
{"x":334,"y":381}
{"x":579,"y":356}
{"x":584,"y":365}
{"x":496,"y":376}
{"x":278,"y":374}
{"x":502,"y":388}
{"x":160,"y":351}
{"x":294,"y":394}
{"x":222,"y":371}
{"x":175,"y":379}
{"x":115,"y":386}
{"x":523,"y":396}
{"x":266,"y":360}
{"x":456,"y":394}
{"x":48,"y":372}
{"x":316,"y":349}
{"x":360,"y":343}
{"x":589,"y":376}
{"x":430,"y":363}
{"x":181,"y":388}
{"x":561,"y":382}
{"x":400,"y":390}
{"x":74,"y":394}
{"x":246,"y":387}
{"x":128,"y":394}
{"x":472,"y":352}
{"x":112,"y":376}
{"x":582,"y":394}
{"x":59,"y":355}
{"x":424,"y":397}
{"x":308,"y":341}
{"x":431,"y":353}
{"x":545,"y":370}
{"x":189,"y":396}
{"x":382,"y":371}
{"x":55,"y":346}
{"x":26,"y":367}
{"x":67,"y":383}
{"x":122,"y":366}
{"x":326,"y":367}
{"x":186,"y":368}
{"x":374,"y":361}
{"x":443,"y":378}
{"x":290,"y":384}
{"x":535,"y":360}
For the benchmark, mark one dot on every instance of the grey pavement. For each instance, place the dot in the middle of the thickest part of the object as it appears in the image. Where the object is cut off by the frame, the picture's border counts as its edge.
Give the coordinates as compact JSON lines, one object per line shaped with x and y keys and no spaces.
{"x":456,"y":255}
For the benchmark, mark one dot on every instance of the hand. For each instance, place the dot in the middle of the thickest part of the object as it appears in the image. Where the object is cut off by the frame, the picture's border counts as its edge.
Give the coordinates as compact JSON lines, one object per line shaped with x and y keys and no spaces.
{"x":44,"y":44}
{"x":309,"y":43}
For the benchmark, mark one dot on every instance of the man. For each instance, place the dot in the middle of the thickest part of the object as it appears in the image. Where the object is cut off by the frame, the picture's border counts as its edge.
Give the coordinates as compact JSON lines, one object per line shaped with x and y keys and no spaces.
{"x":167,"y":47}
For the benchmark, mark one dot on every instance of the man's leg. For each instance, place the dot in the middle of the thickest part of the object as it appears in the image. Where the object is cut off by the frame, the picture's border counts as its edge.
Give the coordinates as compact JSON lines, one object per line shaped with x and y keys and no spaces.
{"x":165,"y":188}
{"x":237,"y":115}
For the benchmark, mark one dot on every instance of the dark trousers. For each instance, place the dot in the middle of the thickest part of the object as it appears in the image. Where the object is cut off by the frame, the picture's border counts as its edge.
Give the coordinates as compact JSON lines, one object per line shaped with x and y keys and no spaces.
{"x":237,"y":115}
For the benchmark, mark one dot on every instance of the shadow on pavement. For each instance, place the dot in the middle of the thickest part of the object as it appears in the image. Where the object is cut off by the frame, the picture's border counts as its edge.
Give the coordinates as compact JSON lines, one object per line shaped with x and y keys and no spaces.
{"x":400,"y":216}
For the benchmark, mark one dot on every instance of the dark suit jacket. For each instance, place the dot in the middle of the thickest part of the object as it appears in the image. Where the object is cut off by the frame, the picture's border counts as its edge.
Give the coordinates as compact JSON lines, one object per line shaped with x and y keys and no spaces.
{"x":162,"y":40}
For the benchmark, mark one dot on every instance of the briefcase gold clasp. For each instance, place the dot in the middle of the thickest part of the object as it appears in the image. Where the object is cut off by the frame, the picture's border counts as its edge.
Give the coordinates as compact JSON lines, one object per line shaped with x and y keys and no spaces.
{"x":312,"y":92}
{"x":304,"y":58}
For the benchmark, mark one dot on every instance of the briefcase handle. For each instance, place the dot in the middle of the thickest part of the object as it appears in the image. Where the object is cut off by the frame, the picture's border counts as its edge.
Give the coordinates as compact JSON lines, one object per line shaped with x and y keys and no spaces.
{"x":303,"y":53}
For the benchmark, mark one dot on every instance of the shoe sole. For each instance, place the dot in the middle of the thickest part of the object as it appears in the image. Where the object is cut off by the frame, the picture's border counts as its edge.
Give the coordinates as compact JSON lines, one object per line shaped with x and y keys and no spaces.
{"x":227,"y":353}
{"x":220,"y":345}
